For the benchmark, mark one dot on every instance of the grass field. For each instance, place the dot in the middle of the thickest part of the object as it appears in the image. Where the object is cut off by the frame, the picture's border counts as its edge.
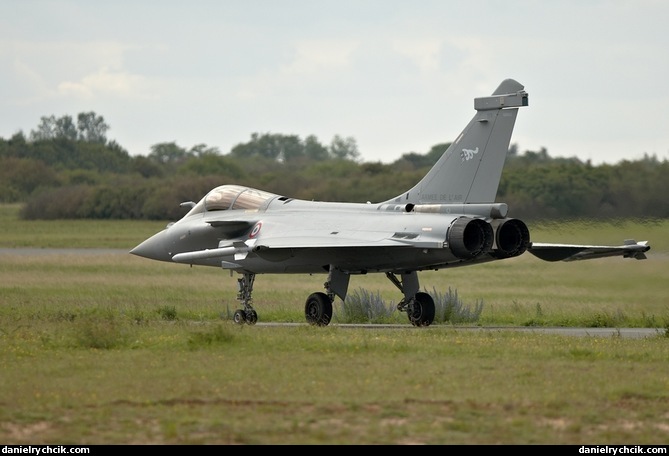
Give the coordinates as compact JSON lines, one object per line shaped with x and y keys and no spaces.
{"x":103,"y":347}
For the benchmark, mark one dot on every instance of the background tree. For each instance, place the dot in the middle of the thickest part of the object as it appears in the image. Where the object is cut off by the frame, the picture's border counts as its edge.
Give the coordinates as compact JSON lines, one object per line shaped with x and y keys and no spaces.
{"x":314,"y":150}
{"x":54,"y":128}
{"x":92,"y":128}
{"x":344,"y":148}
{"x":213,"y":164}
{"x":199,"y":150}
{"x":168,"y":154}
{"x":57,"y":173}
{"x":65,"y":128}
{"x":277,"y":147}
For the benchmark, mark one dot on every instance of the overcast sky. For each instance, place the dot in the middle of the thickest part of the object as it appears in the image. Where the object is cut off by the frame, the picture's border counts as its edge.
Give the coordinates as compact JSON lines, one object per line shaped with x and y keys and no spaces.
{"x":398,"y":76}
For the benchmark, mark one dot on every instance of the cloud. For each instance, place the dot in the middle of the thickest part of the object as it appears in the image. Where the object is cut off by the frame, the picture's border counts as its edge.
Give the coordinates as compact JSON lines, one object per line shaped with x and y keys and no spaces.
{"x":425,"y":53}
{"x":313,"y":56}
{"x":105,"y":82}
{"x":43,"y":70}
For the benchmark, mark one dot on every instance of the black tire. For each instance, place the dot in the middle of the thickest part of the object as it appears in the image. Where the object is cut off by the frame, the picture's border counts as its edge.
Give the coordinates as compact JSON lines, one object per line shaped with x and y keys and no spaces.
{"x":239,"y":317}
{"x":318,"y":309}
{"x":252,"y":317}
{"x":421,"y":311}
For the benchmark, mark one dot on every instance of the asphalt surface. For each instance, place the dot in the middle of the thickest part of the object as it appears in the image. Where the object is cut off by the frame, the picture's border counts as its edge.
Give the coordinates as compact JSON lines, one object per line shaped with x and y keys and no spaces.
{"x":625,"y":333}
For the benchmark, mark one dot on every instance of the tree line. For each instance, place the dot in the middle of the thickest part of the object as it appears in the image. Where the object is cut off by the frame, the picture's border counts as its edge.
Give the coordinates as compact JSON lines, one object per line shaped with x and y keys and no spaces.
{"x":64,"y":169}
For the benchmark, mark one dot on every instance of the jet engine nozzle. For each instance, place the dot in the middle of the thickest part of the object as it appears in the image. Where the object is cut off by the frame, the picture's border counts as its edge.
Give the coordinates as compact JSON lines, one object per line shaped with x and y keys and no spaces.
{"x":469,"y":238}
{"x":512,"y":238}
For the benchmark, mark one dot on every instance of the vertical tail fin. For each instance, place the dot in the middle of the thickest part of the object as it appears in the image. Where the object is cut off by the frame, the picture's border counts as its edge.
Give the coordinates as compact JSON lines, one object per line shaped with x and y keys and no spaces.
{"x":470,"y":169}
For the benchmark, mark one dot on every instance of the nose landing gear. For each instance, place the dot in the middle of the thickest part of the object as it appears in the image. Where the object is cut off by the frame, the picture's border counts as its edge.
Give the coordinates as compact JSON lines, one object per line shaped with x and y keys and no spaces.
{"x":248,"y":314}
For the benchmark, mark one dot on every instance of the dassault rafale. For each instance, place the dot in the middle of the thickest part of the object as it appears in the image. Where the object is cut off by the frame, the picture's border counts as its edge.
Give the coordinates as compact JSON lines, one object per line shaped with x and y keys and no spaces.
{"x":448,"y":219}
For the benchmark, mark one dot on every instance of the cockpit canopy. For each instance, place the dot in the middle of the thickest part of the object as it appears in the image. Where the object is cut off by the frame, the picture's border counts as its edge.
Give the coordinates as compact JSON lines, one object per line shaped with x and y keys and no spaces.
{"x":230,"y":197}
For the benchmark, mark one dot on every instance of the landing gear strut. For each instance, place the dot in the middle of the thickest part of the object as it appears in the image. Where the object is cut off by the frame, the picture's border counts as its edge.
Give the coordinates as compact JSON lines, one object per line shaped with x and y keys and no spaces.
{"x":248,"y":314}
{"x":418,"y":305}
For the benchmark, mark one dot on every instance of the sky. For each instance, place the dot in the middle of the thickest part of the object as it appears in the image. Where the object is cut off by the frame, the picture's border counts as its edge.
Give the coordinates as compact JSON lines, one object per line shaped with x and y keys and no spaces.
{"x":398,"y":76}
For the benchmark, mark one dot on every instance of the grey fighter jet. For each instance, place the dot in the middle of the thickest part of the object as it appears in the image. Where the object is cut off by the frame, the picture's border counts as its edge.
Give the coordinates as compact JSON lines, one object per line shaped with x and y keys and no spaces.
{"x":448,"y":219}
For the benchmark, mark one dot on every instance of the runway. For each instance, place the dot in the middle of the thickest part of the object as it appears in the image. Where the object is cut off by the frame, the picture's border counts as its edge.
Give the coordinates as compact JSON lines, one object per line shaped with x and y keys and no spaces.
{"x":625,"y":333}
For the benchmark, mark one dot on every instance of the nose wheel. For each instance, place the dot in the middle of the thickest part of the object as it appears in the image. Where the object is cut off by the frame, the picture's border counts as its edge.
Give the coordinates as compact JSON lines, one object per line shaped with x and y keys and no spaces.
{"x":242,"y":316}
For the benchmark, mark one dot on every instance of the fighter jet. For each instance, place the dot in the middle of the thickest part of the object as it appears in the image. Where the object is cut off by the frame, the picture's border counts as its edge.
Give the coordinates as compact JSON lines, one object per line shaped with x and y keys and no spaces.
{"x":448,"y":219}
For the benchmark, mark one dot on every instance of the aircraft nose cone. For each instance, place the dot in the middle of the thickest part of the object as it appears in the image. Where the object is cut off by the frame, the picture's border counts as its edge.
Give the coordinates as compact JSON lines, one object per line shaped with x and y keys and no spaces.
{"x":154,"y":248}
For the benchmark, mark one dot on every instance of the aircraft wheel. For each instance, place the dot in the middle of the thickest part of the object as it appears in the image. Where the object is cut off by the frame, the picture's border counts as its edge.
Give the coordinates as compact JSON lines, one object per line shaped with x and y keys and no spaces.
{"x":318,"y":309}
{"x":251,"y":317}
{"x":421,"y":311}
{"x":239,"y":317}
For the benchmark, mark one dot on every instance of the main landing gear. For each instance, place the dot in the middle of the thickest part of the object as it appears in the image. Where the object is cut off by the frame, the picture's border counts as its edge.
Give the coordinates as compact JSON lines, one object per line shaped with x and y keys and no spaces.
{"x":318,"y":308}
{"x":418,"y":305}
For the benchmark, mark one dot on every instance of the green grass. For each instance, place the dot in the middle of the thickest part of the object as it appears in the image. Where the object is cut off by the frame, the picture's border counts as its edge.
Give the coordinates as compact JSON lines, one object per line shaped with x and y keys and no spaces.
{"x":108,"y":234}
{"x":110,"y":381}
{"x":105,"y":348}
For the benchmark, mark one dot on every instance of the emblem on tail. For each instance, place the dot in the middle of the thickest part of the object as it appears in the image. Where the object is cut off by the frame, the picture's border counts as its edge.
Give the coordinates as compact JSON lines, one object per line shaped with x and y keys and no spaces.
{"x":468,"y":154}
